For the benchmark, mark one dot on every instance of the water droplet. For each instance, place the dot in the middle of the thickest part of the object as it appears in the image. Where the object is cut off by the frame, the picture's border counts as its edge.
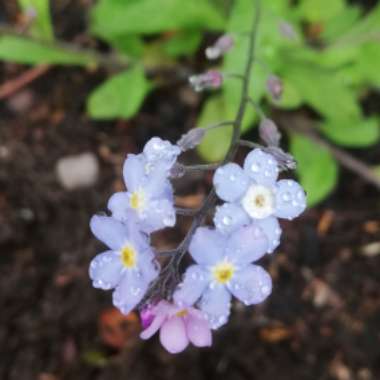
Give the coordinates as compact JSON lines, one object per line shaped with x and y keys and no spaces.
{"x":227,"y":220}
{"x":232,"y":178}
{"x":168,"y":221}
{"x":265,"y":290}
{"x":300,"y":195}
{"x":286,"y":197}
{"x":277,"y":231}
{"x":289,"y":183}
{"x":295,"y":203}
{"x":255,"y":167}
{"x":267,"y":173}
{"x":194,"y":276}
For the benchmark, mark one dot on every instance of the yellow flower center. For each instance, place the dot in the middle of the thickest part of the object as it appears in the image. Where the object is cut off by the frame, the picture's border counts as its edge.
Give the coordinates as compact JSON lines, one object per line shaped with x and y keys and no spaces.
{"x":137,"y":200}
{"x":128,"y":256}
{"x":181,"y":313}
{"x":223,"y":272}
{"x":260,"y":201}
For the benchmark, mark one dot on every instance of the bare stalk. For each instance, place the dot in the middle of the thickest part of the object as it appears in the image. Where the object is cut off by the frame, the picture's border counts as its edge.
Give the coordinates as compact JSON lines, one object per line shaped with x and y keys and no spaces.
{"x":169,"y":275}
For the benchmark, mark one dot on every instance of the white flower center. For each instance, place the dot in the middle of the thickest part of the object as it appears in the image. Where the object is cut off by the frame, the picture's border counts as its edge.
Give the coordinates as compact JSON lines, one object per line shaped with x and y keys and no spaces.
{"x":258,"y":202}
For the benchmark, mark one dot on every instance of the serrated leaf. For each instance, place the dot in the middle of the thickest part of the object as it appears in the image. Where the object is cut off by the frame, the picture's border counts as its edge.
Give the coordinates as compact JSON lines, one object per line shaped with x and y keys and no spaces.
{"x":317,"y":168}
{"x":22,"y":50}
{"x":352,"y":133}
{"x":216,"y":142}
{"x":113,"y":17}
{"x":120,"y":96}
{"x":41,"y":26}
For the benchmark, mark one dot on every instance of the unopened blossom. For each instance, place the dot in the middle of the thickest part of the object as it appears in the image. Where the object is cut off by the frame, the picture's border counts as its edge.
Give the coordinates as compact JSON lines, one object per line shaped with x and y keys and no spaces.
{"x":212,"y":79}
{"x":275,"y":87}
{"x":224,"y":269}
{"x":222,"y":45}
{"x":128,"y":266}
{"x":254,"y":195}
{"x":149,"y":195}
{"x":178,"y":326}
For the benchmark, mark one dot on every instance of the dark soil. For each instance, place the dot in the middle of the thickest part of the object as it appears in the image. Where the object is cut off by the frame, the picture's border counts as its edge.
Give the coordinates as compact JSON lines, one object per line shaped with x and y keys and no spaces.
{"x":322,"y":321}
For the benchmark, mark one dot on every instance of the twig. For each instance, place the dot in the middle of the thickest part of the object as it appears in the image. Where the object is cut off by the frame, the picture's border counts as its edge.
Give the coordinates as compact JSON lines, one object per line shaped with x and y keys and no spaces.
{"x":201,"y":167}
{"x":13,"y":85}
{"x":249,"y":144}
{"x":297,"y":125}
{"x":173,"y":265}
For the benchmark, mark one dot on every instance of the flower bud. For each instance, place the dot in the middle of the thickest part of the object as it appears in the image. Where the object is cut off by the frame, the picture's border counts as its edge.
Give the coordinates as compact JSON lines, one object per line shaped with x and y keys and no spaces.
{"x":220,"y":47}
{"x":191,"y":139}
{"x":287,"y":30}
{"x":275,"y":87}
{"x":210,"y":80}
{"x":269,"y":132}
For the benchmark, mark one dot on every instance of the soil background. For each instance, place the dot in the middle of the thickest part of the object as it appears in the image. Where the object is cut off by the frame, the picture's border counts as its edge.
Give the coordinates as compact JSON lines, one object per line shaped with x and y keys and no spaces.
{"x":321,"y":322}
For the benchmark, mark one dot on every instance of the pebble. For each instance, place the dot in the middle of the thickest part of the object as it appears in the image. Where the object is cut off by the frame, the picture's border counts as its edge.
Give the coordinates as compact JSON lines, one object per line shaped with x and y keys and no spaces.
{"x":78,"y":171}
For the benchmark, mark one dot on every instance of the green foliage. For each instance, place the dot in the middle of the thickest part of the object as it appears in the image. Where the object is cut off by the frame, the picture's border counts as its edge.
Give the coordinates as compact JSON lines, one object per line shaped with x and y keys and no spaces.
{"x":115,"y":17}
{"x":317,"y":169}
{"x":23,"y":50}
{"x":329,"y":79}
{"x":41,"y":25}
{"x":120,"y":96}
{"x":332,"y":60}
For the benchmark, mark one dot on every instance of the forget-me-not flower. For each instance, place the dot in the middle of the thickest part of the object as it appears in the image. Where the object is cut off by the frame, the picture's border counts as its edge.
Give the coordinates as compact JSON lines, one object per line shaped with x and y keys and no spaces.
{"x":178,"y":326}
{"x":223,"y":269}
{"x":128,"y":266}
{"x":254,"y":195}
{"x":149,"y":195}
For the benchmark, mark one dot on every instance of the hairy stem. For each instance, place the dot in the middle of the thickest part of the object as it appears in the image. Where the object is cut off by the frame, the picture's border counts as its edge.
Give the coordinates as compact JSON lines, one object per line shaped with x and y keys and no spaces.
{"x":170,"y":272}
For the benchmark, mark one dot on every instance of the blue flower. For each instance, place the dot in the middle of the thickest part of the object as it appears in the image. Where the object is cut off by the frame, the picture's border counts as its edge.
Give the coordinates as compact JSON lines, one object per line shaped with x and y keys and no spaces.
{"x":128,"y":267}
{"x":149,"y":198}
{"x":254,"y":195}
{"x":223,"y":269}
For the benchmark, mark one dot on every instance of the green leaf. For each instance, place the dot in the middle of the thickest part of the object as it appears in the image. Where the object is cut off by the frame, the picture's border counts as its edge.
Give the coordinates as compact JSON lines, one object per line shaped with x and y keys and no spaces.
{"x":182,"y":43}
{"x":321,"y":10}
{"x":120,"y":96}
{"x":41,"y":26}
{"x":152,"y":16}
{"x":323,"y":90}
{"x":130,"y":45}
{"x":352,"y":133}
{"x":216,"y":142}
{"x":341,"y":23}
{"x":317,"y":169}
{"x":22,"y":50}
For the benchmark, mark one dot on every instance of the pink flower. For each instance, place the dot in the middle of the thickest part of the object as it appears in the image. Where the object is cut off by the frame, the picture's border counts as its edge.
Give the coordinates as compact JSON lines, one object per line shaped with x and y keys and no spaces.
{"x":178,"y":327}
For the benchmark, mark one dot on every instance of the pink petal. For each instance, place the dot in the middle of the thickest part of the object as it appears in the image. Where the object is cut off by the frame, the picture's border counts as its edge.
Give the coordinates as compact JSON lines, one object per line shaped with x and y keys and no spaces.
{"x":160,"y":311}
{"x":173,"y":335}
{"x":198,"y":330}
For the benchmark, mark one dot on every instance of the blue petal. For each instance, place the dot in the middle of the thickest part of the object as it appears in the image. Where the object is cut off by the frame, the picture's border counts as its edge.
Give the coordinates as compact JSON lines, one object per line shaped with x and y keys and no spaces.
{"x":207,"y":246}
{"x":272,"y":231}
{"x":261,"y":167}
{"x":105,"y":270}
{"x":251,"y":285}
{"x":230,"y":182}
{"x":229,"y":217}
{"x":130,"y":291}
{"x":148,"y":266}
{"x":110,"y":231}
{"x":158,"y":215}
{"x":246,"y":245}
{"x":216,"y":305}
{"x":191,"y":288}
{"x":118,"y":204}
{"x":157,"y":149}
{"x":290,"y":199}
{"x":133,"y":172}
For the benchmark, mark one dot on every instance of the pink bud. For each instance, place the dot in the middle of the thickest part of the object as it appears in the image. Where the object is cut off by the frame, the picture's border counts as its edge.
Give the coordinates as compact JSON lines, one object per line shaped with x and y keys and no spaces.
{"x":220,"y":47}
{"x":211,"y":79}
{"x":274,"y":86}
